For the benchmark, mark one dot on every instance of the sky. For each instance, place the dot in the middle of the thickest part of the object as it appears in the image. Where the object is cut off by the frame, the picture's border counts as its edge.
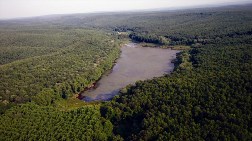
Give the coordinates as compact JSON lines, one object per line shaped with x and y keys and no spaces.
{"x":28,"y":8}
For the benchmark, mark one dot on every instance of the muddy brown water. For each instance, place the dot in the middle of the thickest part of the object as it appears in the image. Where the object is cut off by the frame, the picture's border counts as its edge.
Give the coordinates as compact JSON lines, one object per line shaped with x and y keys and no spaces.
{"x":135,"y":63}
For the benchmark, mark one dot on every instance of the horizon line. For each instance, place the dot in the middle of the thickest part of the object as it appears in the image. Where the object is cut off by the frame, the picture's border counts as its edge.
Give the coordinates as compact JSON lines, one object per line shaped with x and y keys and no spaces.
{"x":161,"y":9}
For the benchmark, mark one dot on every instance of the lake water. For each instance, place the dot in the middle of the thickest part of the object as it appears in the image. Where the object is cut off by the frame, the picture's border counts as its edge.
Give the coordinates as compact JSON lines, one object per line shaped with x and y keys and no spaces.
{"x":135,"y":63}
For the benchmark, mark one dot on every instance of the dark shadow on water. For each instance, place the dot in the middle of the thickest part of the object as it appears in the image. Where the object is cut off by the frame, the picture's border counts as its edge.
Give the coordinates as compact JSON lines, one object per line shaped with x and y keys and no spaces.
{"x":102,"y":97}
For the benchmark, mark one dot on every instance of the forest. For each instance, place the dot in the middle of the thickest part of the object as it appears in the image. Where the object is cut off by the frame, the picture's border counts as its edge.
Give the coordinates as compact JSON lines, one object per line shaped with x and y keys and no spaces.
{"x":44,"y":65}
{"x":45,"y":61}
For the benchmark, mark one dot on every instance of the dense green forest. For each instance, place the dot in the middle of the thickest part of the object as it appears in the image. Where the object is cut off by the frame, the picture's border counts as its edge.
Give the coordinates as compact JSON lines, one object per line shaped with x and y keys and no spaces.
{"x":212,"y":101}
{"x":48,"y":64}
{"x":45,"y":60}
{"x":48,"y":123}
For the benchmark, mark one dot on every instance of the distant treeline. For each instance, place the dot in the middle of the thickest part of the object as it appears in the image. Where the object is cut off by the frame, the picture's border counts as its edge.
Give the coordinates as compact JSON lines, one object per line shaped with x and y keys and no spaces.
{"x":194,"y":41}
{"x":149,"y":38}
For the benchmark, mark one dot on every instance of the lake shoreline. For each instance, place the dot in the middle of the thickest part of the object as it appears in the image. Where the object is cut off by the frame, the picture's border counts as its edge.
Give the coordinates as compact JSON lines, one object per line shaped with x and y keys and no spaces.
{"x":109,"y":96}
{"x":94,"y":85}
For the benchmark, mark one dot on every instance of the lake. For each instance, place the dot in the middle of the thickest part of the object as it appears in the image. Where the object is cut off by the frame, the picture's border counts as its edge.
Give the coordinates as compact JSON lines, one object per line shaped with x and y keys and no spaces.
{"x":135,"y":63}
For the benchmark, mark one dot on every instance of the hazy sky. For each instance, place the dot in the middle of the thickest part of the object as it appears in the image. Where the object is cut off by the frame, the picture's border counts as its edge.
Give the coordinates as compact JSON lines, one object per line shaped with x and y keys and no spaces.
{"x":28,"y":8}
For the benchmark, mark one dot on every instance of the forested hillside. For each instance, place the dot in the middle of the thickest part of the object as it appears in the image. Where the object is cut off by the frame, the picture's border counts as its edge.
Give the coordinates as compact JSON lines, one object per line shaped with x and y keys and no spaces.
{"x":48,"y":64}
{"x":207,"y":97}
{"x":212,"y":101}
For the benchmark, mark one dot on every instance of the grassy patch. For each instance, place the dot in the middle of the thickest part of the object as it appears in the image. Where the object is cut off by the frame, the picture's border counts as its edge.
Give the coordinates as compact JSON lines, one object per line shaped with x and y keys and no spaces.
{"x":72,"y":103}
{"x":180,"y":47}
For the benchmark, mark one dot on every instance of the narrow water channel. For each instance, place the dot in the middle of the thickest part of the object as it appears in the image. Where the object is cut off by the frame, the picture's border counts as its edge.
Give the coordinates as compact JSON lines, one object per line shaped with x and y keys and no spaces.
{"x":135,"y":63}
